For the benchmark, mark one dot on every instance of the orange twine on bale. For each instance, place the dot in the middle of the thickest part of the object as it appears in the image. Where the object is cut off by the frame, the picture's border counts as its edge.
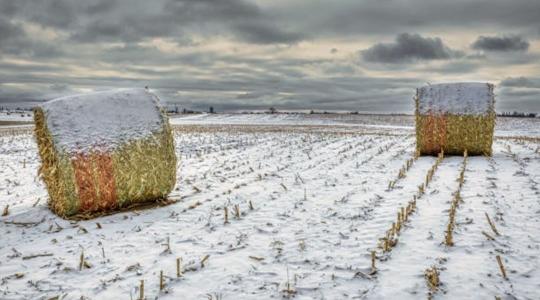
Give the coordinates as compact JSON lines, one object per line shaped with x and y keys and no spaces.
{"x":95,"y":182}
{"x":434,"y":134}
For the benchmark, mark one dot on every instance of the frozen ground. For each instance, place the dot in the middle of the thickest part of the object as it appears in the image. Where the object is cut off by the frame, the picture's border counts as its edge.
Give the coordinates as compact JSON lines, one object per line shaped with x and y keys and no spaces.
{"x":313,"y":202}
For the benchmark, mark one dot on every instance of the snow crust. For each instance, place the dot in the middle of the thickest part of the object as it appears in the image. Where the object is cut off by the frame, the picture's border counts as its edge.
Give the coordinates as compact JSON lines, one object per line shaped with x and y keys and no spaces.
{"x":102,"y":120}
{"x":465,"y":98}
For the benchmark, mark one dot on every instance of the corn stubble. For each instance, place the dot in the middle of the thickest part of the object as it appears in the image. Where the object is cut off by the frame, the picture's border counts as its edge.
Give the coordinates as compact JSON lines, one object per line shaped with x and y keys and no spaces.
{"x":449,"y":239}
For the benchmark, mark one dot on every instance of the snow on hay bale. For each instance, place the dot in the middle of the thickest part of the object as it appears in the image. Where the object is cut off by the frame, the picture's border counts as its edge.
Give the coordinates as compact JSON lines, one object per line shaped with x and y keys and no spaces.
{"x":104,"y":151}
{"x":455,"y":117}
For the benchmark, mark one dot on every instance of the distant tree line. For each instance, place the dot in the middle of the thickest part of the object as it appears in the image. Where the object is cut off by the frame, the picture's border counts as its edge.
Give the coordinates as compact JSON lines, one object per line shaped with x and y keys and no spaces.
{"x":273,"y":110}
{"x":516,"y":114}
{"x":175,"y":110}
{"x":324,"y":112}
{"x":15,"y":110}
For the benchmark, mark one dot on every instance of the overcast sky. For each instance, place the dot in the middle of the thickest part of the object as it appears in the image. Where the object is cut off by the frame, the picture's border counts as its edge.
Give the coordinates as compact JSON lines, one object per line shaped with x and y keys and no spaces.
{"x":361,"y":55}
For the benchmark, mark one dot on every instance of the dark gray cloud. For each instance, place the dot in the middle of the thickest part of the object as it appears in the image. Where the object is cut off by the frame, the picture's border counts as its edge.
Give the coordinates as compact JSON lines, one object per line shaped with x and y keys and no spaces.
{"x":452,"y":67}
{"x":288,"y":21}
{"x":501,"y":43}
{"x":519,"y":94}
{"x":15,"y":41}
{"x":9,"y":35}
{"x":521,"y":82}
{"x":407,"y":48}
{"x":376,"y":18}
{"x":54,"y":13}
{"x":8,"y":30}
{"x":241,"y":54}
{"x":135,"y":20}
{"x":261,"y":33}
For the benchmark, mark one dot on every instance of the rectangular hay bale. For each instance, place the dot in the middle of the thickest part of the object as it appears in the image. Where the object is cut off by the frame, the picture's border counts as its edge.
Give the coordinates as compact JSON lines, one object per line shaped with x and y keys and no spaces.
{"x":104,"y":151}
{"x":455,"y":117}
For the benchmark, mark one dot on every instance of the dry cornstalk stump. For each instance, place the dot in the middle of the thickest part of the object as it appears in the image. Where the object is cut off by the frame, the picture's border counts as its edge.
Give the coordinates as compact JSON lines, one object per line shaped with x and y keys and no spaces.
{"x":203,"y":261}
{"x":501,"y":267}
{"x":226,"y":215}
{"x":492,"y":225}
{"x":432,"y":278}
{"x":373,"y":258}
{"x":83,"y":264}
{"x":6,"y":211}
{"x":161,"y":281}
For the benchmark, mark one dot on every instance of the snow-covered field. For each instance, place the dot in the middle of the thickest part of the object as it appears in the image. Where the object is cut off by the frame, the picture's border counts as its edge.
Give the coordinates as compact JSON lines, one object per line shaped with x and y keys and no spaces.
{"x":306,"y":207}
{"x":503,"y":127}
{"x":294,"y":119}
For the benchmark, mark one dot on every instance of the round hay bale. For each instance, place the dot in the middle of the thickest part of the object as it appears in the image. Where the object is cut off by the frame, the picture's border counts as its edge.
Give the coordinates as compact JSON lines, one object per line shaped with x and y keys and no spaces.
{"x":454,"y":117}
{"x":104,"y":151}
